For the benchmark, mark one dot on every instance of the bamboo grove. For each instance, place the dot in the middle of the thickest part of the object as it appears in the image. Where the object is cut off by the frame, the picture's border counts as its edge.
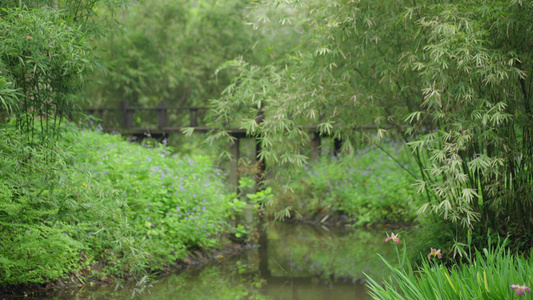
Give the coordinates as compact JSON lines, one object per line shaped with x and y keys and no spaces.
{"x":450,"y":78}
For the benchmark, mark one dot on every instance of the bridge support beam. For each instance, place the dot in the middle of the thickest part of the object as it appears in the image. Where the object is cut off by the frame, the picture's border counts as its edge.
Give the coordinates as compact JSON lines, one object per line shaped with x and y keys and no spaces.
{"x":316,"y":143}
{"x":193,"y":115}
{"x":162,"y":116}
{"x":337,"y":145}
{"x":234,"y":163}
{"x":127,"y":115}
{"x":261,"y":167}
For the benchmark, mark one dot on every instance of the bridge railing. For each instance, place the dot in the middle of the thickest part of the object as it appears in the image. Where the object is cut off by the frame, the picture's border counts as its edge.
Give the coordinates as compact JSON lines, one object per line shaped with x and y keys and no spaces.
{"x":163,"y":116}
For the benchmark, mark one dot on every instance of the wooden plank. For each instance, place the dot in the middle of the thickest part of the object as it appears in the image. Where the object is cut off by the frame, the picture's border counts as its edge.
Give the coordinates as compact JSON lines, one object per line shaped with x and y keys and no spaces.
{"x":234,"y":131}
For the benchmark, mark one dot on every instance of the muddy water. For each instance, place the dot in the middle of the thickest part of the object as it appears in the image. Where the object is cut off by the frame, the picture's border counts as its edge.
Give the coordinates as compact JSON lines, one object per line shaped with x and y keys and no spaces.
{"x":297,"y":262}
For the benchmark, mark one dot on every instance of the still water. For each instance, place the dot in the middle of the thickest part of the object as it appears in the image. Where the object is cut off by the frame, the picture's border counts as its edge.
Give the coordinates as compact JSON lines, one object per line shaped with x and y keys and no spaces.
{"x":298,"y":262}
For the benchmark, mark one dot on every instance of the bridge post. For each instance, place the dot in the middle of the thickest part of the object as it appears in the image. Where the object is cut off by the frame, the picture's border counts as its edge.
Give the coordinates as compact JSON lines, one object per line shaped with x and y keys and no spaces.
{"x":127,"y":115}
{"x":258,"y":148}
{"x":337,"y":145}
{"x":261,"y":167}
{"x":315,"y":143}
{"x":193,"y":115}
{"x":233,"y":164}
{"x":101,"y":117}
{"x":162,"y":116}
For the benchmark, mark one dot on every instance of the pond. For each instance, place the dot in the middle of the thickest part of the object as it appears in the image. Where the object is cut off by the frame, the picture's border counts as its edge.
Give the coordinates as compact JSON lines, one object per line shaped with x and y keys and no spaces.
{"x":298,"y":262}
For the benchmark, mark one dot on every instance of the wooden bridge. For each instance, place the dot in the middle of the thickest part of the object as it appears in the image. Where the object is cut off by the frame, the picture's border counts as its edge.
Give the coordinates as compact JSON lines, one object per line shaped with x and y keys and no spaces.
{"x":160,"y":120}
{"x":163,"y":120}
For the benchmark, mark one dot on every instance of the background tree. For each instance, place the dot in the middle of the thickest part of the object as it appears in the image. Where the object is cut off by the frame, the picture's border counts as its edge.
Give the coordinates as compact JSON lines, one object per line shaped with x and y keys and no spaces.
{"x":476,"y":69}
{"x":45,"y":55}
{"x":169,"y":50}
{"x":452,"y":78}
{"x":46,"y":59}
{"x":343,"y":75}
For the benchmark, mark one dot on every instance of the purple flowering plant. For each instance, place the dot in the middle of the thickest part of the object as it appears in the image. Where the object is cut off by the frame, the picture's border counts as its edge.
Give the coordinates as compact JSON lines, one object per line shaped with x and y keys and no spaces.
{"x":173,"y":200}
{"x":521,"y":289}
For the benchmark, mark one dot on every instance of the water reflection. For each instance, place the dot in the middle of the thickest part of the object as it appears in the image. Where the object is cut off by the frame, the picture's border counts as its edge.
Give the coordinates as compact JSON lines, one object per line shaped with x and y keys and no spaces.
{"x":299,"y":262}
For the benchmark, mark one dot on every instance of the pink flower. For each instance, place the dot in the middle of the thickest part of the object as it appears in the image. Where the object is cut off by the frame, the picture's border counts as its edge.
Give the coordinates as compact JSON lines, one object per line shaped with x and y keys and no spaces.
{"x":434,"y":252}
{"x":520,"y":290}
{"x":393,"y":237}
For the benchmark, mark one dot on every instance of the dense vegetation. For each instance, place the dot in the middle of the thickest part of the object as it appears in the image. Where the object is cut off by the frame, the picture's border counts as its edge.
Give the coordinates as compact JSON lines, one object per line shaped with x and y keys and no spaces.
{"x":488,"y":273}
{"x":366,"y":187}
{"x":170,"y":51}
{"x":451,"y":80}
{"x":78,"y":202}
{"x":96,"y":205}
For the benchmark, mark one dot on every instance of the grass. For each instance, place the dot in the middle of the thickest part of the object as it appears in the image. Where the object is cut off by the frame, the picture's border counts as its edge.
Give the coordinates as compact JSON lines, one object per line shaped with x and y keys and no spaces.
{"x":487,"y":274}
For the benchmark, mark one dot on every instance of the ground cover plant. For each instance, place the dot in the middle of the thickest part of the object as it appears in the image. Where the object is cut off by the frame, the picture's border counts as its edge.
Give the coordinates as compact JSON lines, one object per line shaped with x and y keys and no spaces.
{"x":179,"y":202}
{"x":490,"y":273}
{"x":365,"y":187}
{"x":91,"y":204}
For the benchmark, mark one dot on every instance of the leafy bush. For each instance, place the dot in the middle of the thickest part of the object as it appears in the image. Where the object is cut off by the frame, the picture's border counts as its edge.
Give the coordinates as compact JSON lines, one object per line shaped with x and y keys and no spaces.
{"x":367,"y":187}
{"x":176,"y":203}
{"x":93,"y":204}
{"x":39,"y":208}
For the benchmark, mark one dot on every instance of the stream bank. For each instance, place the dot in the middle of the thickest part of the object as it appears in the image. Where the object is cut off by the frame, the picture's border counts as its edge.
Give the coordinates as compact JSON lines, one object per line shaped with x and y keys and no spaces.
{"x":297,"y":262}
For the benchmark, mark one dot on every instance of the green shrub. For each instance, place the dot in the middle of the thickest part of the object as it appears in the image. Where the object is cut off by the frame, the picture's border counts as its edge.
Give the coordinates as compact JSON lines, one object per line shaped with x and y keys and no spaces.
{"x":367,"y":186}
{"x":93,"y":204}
{"x":174,"y":202}
{"x":8,"y":95}
{"x":38,"y":208}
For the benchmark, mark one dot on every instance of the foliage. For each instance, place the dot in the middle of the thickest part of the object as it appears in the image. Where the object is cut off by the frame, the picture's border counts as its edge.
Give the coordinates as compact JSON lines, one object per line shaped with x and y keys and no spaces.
{"x":45,"y":60}
{"x":48,"y":218}
{"x":488,"y":275}
{"x":45,"y":57}
{"x":453,"y":78}
{"x":87,"y":15}
{"x":169,"y":51}
{"x":8,"y":95}
{"x":330,"y":80}
{"x":94,"y":205}
{"x":175,"y":203}
{"x":367,"y":186}
{"x":481,"y":153}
